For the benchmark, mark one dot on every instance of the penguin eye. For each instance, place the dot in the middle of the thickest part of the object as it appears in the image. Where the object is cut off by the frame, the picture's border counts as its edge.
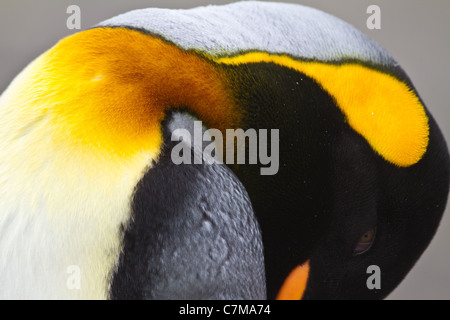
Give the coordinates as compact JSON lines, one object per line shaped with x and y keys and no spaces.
{"x":365,"y":242}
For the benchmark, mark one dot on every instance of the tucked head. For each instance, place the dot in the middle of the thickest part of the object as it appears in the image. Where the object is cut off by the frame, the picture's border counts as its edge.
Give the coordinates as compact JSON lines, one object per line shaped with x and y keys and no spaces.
{"x":86,"y":172}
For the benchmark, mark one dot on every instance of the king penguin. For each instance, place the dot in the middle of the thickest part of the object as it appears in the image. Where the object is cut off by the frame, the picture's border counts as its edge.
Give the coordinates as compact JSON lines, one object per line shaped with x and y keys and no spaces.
{"x":92,"y":205}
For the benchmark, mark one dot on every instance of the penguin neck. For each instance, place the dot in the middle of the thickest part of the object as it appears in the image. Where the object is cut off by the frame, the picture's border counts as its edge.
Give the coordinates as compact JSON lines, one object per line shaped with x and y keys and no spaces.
{"x":79,"y":127}
{"x":112,"y":99}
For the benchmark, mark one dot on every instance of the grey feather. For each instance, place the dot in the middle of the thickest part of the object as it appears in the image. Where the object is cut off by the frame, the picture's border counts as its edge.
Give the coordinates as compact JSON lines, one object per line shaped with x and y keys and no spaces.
{"x":261,"y":26}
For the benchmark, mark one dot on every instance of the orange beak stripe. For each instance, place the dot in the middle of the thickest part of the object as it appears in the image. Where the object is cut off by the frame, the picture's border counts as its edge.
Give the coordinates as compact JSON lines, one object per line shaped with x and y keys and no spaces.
{"x":295,"y":285}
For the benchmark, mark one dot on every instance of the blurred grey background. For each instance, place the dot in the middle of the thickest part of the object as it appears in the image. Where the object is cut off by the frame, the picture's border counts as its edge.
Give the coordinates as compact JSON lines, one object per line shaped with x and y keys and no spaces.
{"x":415,"y":32}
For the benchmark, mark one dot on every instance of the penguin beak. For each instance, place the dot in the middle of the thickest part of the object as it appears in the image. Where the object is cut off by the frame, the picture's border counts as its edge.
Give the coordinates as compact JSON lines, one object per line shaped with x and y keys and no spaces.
{"x":295,"y":284}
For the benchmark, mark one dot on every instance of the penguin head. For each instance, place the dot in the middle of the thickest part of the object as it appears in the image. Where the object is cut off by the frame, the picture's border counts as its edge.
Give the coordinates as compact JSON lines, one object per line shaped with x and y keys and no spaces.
{"x":363,"y":169}
{"x":377,"y":231}
{"x":352,"y":194}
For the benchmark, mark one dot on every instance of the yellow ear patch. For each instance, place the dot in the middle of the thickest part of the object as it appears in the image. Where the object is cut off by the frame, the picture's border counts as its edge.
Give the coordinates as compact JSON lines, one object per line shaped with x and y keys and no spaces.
{"x":385,"y":111}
